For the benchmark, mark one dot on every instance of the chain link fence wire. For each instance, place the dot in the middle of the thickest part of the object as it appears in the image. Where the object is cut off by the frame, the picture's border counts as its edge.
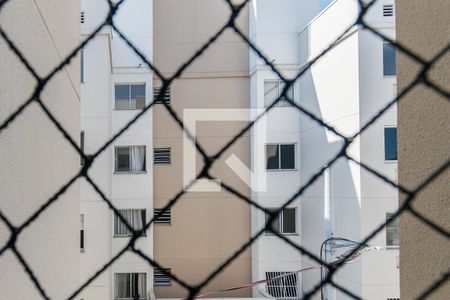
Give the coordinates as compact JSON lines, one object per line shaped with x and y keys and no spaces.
{"x":209,"y":160}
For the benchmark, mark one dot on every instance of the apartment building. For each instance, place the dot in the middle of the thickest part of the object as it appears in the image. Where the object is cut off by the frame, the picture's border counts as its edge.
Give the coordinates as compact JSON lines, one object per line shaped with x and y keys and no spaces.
{"x":205,"y":227}
{"x":346,"y":88}
{"x":115,"y":87}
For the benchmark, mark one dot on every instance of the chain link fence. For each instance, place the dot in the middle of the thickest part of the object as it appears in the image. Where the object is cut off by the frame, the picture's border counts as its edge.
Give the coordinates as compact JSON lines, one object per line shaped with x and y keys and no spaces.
{"x":209,"y":160}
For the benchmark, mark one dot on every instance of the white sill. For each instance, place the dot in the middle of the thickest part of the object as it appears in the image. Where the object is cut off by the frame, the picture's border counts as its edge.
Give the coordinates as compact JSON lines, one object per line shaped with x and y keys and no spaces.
{"x":126,"y":236}
{"x":391,"y":161}
{"x":389,"y":76}
{"x":126,"y":109}
{"x":392,"y":247}
{"x":82,"y":250}
{"x":129,"y":173}
{"x":281,"y":170}
{"x":284,"y":234}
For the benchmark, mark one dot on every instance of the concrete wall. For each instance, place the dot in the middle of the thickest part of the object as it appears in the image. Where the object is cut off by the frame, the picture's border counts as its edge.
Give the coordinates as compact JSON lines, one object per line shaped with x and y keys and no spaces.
{"x":424,"y":135}
{"x":207,"y":227}
{"x":36,"y":159}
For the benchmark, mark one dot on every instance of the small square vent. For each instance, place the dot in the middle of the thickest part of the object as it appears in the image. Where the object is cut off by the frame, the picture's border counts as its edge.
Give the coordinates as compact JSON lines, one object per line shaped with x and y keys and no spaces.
{"x":388,"y":10}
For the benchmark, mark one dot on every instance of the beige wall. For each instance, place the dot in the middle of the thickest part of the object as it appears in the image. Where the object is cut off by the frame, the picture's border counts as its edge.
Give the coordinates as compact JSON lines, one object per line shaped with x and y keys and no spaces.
{"x":424,"y":143}
{"x":35,"y":158}
{"x":208,"y":227}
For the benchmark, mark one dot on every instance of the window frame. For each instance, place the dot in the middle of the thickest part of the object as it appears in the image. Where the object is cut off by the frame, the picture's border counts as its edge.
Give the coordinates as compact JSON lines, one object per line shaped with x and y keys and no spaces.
{"x":280,"y":221}
{"x":131,"y":285}
{"x":389,"y":161}
{"x":392,"y":246}
{"x":279,"y":169}
{"x":279,"y":89}
{"x":130,"y":172}
{"x":129,"y":95}
{"x":384,"y":59}
{"x":116,"y":235}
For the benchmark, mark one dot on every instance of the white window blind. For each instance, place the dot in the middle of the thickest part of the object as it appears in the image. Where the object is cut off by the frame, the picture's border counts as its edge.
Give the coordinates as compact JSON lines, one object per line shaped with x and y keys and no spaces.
{"x":130,"y":286}
{"x":392,"y":231}
{"x":134,"y":217}
{"x":130,"y":159}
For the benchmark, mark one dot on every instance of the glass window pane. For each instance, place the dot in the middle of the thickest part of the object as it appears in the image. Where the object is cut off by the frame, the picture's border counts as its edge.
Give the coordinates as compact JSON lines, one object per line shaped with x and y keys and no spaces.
{"x":287,"y":156}
{"x":390,"y":143}
{"x":389,"y":60}
{"x":272,"y":157}
{"x":138,"y":96}
{"x":289,"y":220}
{"x":392,"y":231}
{"x":122,"y":285}
{"x":270,"y":92}
{"x":122,"y":159}
{"x":122,"y":91}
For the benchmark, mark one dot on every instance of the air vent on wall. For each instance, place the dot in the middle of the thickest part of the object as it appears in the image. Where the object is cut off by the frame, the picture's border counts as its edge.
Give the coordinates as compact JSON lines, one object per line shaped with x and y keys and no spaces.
{"x":161,"y":156}
{"x":82,"y":17}
{"x":388,"y":10}
{"x":163,"y":218}
{"x":164,"y":98}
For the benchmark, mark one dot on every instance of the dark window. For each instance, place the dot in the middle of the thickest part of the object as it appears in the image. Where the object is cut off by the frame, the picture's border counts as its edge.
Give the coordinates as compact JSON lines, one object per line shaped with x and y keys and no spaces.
{"x":390,"y":143}
{"x":82,"y":161}
{"x":389,"y":60}
{"x":130,"y":286}
{"x":81,"y":232}
{"x":285,"y":222}
{"x":82,"y":66}
{"x":280,"y":157}
{"x":273,"y":89}
{"x":129,"y":96}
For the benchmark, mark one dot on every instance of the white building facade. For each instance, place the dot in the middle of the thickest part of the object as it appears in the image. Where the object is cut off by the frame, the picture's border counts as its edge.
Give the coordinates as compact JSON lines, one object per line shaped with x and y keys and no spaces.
{"x":345,"y":88}
{"x":116,"y":85}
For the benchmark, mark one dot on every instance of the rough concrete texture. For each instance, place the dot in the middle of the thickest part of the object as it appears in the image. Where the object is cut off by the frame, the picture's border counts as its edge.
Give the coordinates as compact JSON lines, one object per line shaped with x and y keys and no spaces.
{"x":424,"y":145}
{"x":35,"y":158}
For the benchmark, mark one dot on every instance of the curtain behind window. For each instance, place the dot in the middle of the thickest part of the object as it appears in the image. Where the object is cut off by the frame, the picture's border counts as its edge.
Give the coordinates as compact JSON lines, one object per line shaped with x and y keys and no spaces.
{"x":137,"y":158}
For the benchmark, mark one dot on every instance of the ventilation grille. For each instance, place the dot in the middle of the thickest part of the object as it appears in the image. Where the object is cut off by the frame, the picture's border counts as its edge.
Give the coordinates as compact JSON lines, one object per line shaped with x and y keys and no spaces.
{"x":159,"y":278}
{"x":284,"y":288}
{"x":164,"y":218}
{"x":388,"y":10}
{"x":393,"y":299}
{"x":82,"y":17}
{"x":165,"y":98}
{"x":161,"y":156}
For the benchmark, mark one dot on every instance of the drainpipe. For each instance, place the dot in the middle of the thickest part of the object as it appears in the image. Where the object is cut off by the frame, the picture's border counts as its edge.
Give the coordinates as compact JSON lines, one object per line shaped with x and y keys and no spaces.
{"x":329,"y":293}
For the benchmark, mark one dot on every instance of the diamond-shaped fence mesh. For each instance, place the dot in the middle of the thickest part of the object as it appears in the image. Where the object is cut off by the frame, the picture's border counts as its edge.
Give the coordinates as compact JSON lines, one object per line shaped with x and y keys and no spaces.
{"x":209,"y":160}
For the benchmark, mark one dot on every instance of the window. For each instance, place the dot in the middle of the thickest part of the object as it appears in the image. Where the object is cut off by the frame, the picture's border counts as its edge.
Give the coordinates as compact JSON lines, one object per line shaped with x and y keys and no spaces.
{"x":130,"y":159}
{"x":389,"y":60}
{"x":164,"y":218}
{"x":166,"y":97}
{"x":134,"y":217}
{"x":390,"y":143}
{"x":130,"y":286}
{"x":392,"y":231}
{"x":285,"y":222}
{"x":388,"y":10}
{"x":82,"y":232}
{"x":280,"y":157}
{"x":161,"y":156}
{"x":82,"y":161}
{"x":273,"y":90}
{"x":82,"y":65}
{"x":285,"y":287}
{"x":129,"y":96}
{"x":159,"y":278}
